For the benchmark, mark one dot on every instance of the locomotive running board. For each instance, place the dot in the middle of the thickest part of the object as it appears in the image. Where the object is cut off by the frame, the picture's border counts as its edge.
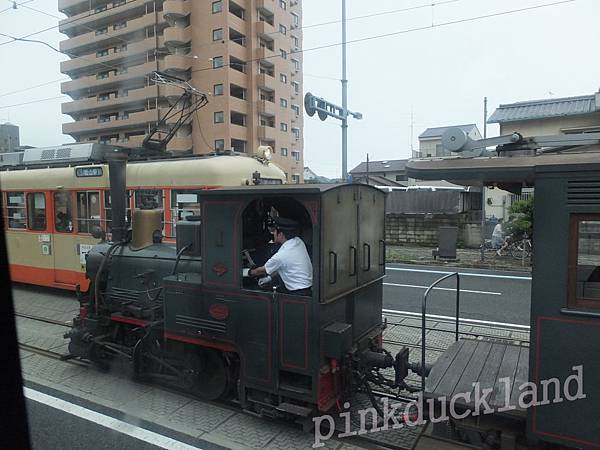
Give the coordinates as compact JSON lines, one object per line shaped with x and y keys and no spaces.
{"x":296,"y":410}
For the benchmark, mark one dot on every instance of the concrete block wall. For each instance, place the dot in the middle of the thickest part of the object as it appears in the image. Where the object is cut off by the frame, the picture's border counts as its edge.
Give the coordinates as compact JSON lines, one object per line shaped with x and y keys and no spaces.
{"x":422,"y":229}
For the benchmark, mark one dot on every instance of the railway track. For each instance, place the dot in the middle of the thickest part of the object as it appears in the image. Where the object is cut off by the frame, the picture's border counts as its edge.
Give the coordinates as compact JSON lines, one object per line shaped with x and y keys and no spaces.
{"x":44,"y":319}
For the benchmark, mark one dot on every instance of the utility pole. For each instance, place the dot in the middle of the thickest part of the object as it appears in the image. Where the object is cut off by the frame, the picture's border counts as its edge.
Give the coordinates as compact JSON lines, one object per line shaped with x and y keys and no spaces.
{"x":482,"y":185}
{"x":344,"y":99}
{"x":367,"y":168}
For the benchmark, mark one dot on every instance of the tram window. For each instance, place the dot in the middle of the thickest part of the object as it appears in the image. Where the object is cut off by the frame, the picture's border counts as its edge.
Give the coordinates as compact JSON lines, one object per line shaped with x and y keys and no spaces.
{"x":88,"y":211}
{"x":16,"y":210}
{"x":63,"y":215}
{"x":36,"y":208}
{"x":184,"y":203}
{"x":585,"y":262}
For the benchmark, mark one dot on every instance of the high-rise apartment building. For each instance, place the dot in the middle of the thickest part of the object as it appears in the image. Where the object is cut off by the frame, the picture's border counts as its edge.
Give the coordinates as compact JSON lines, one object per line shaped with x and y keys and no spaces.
{"x":244,"y":54}
{"x":9,"y":138}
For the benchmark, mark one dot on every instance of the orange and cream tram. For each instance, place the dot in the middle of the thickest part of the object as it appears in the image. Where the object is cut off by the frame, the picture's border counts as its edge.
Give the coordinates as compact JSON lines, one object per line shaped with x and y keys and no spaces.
{"x":53,"y":198}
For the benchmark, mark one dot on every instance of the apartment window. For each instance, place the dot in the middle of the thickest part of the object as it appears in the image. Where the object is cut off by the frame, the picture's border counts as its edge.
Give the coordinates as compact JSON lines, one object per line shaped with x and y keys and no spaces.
{"x":103,"y":97}
{"x":237,"y":10}
{"x":296,"y":109}
{"x":217,"y":7}
{"x":283,"y":126}
{"x":219,"y":143}
{"x":296,"y":179}
{"x":282,"y":29}
{"x":283,"y":102}
{"x":296,"y":155}
{"x":237,"y":92}
{"x":266,"y":121}
{"x":217,"y":62}
{"x":17,"y":213}
{"x":119,"y":25}
{"x":296,"y":42}
{"x":238,"y":119}
{"x":283,"y":77}
{"x":99,"y":9}
{"x":296,"y":133}
{"x":296,"y":87}
{"x":282,"y":4}
{"x":218,"y":34}
{"x":100,"y":31}
{"x":237,"y":64}
{"x":295,"y":20}
{"x":267,"y":96}
{"x":283,"y":53}
{"x":238,"y":145}
{"x":284,"y":152}
{"x":102,"y":75}
{"x":263,"y":43}
{"x":219,"y":117}
{"x":217,"y":89}
{"x":118,"y":3}
{"x":101,"y":53}
{"x":296,"y":64}
{"x":120,"y":48}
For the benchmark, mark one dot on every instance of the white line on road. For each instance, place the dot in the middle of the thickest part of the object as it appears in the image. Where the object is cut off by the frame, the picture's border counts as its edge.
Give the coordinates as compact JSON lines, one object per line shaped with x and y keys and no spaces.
{"x":462,"y":320}
{"x":442,"y":289}
{"x":463,"y":274}
{"x":106,"y":421}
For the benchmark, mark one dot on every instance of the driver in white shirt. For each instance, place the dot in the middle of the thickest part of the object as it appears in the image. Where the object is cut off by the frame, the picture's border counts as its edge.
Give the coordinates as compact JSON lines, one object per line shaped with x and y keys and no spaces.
{"x":291,"y":262}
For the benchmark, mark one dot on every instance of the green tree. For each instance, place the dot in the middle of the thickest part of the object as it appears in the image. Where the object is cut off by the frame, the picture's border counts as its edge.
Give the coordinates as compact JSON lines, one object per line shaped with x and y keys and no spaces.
{"x":520,"y":218}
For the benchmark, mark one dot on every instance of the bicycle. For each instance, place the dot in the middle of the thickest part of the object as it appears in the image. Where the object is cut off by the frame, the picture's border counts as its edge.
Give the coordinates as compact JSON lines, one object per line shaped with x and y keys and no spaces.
{"x":517,"y":248}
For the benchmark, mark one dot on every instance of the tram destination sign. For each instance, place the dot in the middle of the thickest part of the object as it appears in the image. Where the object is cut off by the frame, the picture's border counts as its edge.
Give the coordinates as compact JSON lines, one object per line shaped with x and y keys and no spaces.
{"x":82,"y":172}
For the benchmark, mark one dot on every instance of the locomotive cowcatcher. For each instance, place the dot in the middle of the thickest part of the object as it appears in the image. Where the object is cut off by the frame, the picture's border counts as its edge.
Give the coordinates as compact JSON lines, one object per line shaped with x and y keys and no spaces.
{"x":186,"y":314}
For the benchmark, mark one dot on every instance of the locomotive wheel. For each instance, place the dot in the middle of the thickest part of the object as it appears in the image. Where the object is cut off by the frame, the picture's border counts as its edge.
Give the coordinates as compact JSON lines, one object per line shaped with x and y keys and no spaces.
{"x":207,"y":374}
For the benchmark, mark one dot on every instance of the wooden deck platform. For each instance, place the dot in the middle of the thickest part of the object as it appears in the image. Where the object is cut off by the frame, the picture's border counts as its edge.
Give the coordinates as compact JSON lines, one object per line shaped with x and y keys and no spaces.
{"x":487,"y":362}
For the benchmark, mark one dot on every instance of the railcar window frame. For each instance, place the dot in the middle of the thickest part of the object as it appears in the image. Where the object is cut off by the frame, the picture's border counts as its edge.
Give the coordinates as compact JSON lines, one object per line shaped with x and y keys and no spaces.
{"x":32,"y":216}
{"x":87,"y":219}
{"x":10,"y":211}
{"x":574,"y":300}
{"x":69,"y":208}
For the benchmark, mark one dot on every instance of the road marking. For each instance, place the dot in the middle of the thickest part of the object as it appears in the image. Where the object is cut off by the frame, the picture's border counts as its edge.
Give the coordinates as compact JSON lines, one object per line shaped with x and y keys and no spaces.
{"x":442,"y":289}
{"x":462,"y":320}
{"x":106,"y":421}
{"x":464,"y":274}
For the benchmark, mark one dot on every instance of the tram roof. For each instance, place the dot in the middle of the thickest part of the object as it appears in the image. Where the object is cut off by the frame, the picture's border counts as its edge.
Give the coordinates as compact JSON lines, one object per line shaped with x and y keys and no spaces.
{"x":292,"y":189}
{"x":509,"y":170}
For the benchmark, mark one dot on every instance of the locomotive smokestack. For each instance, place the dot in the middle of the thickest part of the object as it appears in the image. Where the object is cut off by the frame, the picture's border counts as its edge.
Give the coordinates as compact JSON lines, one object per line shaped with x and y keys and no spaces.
{"x":117,"y":167}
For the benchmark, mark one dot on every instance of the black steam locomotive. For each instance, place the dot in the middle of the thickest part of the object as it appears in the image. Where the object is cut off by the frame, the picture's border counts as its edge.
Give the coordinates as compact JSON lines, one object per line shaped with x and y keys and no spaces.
{"x":185,"y":314}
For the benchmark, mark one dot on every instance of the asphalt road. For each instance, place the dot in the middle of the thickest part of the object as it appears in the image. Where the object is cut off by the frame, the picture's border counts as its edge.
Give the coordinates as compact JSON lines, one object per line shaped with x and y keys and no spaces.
{"x":484,"y":294}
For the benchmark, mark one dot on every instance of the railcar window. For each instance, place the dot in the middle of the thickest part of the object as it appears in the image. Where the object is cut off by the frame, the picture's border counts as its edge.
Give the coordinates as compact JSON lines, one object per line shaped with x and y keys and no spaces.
{"x":36,"y":208}
{"x":585,"y":262}
{"x":184,"y":203}
{"x":16,"y":210}
{"x":88,"y":211}
{"x":63,"y":214}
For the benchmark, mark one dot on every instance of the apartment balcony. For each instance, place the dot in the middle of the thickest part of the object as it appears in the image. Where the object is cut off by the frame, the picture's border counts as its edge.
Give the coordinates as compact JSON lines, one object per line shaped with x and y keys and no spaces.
{"x":176,"y":9}
{"x":113,"y":79}
{"x":76,"y":6}
{"x":177,"y":63}
{"x":91,"y":63}
{"x":176,"y":37}
{"x":111,"y":125}
{"x":265,"y":56}
{"x":267,"y":133}
{"x":267,"y":6}
{"x":82,"y":22}
{"x":265,"y":81}
{"x":87,"y":42}
{"x":266,"y":108}
{"x":180,"y":144}
{"x":134,"y":96}
{"x":265,"y":29}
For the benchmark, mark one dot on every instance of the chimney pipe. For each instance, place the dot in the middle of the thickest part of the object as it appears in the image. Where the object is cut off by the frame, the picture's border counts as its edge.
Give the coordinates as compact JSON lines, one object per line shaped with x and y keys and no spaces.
{"x":117,"y":169}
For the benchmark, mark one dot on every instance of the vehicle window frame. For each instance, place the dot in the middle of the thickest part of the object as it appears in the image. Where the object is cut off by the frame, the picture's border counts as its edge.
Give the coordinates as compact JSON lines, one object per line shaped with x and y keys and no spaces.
{"x":573,"y":300}
{"x":30,"y":219}
{"x":88,"y":220}
{"x":69,"y":211}
{"x":7,"y":208}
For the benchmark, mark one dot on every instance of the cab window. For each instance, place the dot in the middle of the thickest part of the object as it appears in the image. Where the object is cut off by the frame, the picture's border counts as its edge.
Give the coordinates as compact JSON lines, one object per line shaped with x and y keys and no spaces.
{"x":36,"y":208}
{"x":150,"y":199}
{"x":88,"y":211}
{"x":584,"y":266}
{"x":63,"y":214}
{"x":184,"y":203}
{"x":16,"y":211}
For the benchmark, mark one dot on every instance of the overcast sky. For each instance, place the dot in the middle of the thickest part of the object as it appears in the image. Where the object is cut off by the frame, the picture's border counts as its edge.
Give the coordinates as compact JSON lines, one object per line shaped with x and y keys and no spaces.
{"x":440,"y":73}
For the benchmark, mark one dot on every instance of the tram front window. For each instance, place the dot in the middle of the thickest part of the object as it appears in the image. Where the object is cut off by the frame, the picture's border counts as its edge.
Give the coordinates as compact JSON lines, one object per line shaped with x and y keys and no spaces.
{"x":587,"y":268}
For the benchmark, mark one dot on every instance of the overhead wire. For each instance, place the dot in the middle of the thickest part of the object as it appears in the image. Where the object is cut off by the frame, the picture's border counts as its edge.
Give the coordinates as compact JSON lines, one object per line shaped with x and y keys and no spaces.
{"x":396,"y":33}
